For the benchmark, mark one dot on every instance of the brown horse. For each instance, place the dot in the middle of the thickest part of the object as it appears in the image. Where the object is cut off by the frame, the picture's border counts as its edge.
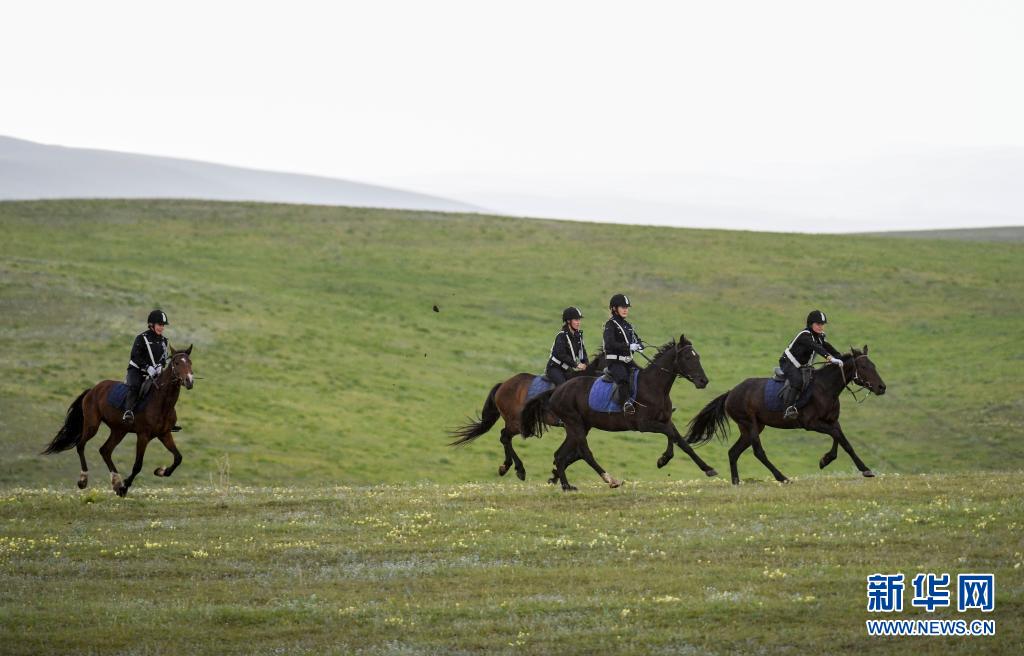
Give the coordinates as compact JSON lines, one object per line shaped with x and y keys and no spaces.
{"x":745,"y":404}
{"x":506,"y":401}
{"x":91,"y":408}
{"x":570,"y":403}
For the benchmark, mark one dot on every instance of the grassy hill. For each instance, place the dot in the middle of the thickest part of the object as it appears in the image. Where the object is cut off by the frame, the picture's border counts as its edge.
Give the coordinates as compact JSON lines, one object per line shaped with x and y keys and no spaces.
{"x":322,"y":361}
{"x":684,"y":567}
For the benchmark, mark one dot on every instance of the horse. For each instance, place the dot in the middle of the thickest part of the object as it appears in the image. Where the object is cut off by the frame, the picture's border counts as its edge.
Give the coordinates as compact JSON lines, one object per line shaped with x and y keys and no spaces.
{"x":745,"y":404}
{"x":570,"y":403}
{"x":505,"y":401}
{"x":85,"y":414}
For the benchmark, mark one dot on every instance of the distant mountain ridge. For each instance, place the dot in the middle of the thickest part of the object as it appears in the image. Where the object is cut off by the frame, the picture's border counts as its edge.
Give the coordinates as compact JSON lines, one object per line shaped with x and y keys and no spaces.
{"x":30,"y":170}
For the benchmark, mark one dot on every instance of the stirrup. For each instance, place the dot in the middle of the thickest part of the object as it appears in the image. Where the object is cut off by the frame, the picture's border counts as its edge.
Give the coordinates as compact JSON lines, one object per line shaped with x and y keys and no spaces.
{"x":791,"y":413}
{"x":629,"y":408}
{"x":128,"y":417}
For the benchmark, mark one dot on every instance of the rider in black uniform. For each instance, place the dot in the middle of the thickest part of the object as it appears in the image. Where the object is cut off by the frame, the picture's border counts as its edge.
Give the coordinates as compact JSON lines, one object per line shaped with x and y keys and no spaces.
{"x":800,"y":354}
{"x":620,"y":343}
{"x":568,"y":353}
{"x":150,"y":353}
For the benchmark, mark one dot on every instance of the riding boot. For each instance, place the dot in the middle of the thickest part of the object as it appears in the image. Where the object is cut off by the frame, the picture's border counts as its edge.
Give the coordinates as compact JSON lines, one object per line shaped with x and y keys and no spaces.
{"x":129,"y":405}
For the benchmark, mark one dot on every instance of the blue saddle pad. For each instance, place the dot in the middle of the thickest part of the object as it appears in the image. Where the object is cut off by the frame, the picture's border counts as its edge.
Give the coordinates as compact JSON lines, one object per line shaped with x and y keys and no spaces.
{"x":601,"y":395}
{"x":772,"y":402}
{"x":538,"y":386}
{"x":118,"y":394}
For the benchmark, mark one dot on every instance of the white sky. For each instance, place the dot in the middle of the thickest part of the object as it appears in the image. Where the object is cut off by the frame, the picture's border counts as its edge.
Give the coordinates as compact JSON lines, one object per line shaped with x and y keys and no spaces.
{"x":478,"y":99}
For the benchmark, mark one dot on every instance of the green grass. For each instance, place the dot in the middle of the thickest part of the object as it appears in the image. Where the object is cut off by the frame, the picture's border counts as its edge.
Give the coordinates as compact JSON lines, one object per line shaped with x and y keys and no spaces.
{"x":323,"y":362}
{"x":690,"y":567}
{"x":318,"y":509}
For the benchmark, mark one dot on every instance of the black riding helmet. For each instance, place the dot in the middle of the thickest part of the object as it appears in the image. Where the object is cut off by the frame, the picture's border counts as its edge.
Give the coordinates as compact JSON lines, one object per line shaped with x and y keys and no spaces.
{"x":619,"y":300}
{"x":158,"y":316}
{"x":571,"y":313}
{"x":816,"y":316}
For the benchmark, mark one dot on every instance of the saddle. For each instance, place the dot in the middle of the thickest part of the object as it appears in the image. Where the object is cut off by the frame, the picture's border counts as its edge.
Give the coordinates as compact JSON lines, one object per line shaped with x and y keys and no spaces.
{"x":118,"y":395}
{"x":786,"y":393}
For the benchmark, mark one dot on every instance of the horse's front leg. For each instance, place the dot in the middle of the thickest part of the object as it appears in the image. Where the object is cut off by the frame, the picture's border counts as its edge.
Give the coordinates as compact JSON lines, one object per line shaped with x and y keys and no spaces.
{"x":830,"y":455}
{"x":669,"y":431}
{"x":168,"y":441}
{"x":669,"y":453}
{"x":836,"y":431}
{"x":140,"y":452}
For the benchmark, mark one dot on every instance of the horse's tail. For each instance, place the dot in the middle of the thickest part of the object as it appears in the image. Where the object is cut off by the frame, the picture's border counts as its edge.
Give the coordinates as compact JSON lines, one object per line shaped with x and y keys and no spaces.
{"x":69,"y":434}
{"x":531,"y":419}
{"x":474,"y":429}
{"x":709,"y":422}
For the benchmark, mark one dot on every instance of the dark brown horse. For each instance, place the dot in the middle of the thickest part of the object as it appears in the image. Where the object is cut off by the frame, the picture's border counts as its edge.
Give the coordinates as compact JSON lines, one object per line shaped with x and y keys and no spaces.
{"x":91,"y":408}
{"x":745,"y":404}
{"x":570,"y":403}
{"x":506,"y":401}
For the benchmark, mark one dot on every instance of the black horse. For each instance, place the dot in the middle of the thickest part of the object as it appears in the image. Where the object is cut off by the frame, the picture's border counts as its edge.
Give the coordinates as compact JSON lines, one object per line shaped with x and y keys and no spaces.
{"x":745,"y":404}
{"x":569,"y":402}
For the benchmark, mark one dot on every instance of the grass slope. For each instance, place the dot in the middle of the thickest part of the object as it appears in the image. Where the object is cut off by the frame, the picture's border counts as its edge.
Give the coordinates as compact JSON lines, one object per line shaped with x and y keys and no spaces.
{"x":685,"y":567}
{"x":323,"y":362}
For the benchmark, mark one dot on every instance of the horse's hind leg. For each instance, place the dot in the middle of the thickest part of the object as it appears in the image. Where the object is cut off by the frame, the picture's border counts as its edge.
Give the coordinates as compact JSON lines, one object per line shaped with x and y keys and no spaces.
{"x":734,"y":454}
{"x":107,"y":450}
{"x":511,"y":457}
{"x":755,"y":438}
{"x":90,"y":425}
{"x":168,"y":441}
{"x":588,"y":456}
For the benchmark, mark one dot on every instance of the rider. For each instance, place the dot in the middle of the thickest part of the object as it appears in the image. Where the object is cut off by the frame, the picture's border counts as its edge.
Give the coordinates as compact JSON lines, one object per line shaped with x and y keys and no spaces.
{"x":799,"y":356}
{"x":567,"y":352}
{"x":620,"y":343}
{"x":150,"y":353}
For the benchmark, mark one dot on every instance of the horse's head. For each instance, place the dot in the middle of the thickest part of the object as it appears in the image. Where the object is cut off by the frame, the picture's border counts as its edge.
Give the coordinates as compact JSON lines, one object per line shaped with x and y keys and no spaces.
{"x":181,"y":367}
{"x":864,"y":372}
{"x":687,"y":363}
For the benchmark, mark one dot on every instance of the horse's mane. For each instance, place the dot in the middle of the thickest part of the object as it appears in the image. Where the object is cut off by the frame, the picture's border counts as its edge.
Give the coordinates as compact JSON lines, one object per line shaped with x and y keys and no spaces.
{"x":671,"y":344}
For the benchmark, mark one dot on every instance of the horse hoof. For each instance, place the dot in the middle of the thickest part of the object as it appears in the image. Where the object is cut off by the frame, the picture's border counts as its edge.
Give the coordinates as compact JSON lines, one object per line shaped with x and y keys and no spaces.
{"x":785,"y":481}
{"x":867,"y":473}
{"x":711,"y":472}
{"x":825,"y":460}
{"x":159,"y":471}
{"x":521,"y":473}
{"x":502,"y":470}
{"x":82,"y":483}
{"x":610,"y":480}
{"x":662,"y":462}
{"x":552,"y":481}
{"x":735,"y":481}
{"x":121,"y":491}
{"x":569,"y":488}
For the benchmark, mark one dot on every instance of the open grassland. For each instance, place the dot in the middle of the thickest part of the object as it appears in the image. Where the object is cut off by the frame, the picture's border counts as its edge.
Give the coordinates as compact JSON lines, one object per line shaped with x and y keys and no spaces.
{"x":685,"y":567}
{"x":323,"y":361}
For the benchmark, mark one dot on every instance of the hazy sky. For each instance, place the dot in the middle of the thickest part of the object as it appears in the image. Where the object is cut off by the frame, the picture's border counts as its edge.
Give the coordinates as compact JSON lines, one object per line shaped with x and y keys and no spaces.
{"x":536,"y":98}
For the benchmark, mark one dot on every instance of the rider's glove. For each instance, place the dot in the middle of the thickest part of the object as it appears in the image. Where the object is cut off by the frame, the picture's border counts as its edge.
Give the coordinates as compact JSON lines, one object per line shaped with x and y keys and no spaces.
{"x":835,"y":361}
{"x":152,"y":371}
{"x":634,"y":347}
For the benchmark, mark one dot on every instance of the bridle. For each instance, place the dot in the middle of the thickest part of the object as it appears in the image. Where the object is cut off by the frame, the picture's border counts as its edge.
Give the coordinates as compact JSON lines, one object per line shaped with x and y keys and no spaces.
{"x":175,"y":379}
{"x":856,"y":380}
{"x":677,"y":374}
